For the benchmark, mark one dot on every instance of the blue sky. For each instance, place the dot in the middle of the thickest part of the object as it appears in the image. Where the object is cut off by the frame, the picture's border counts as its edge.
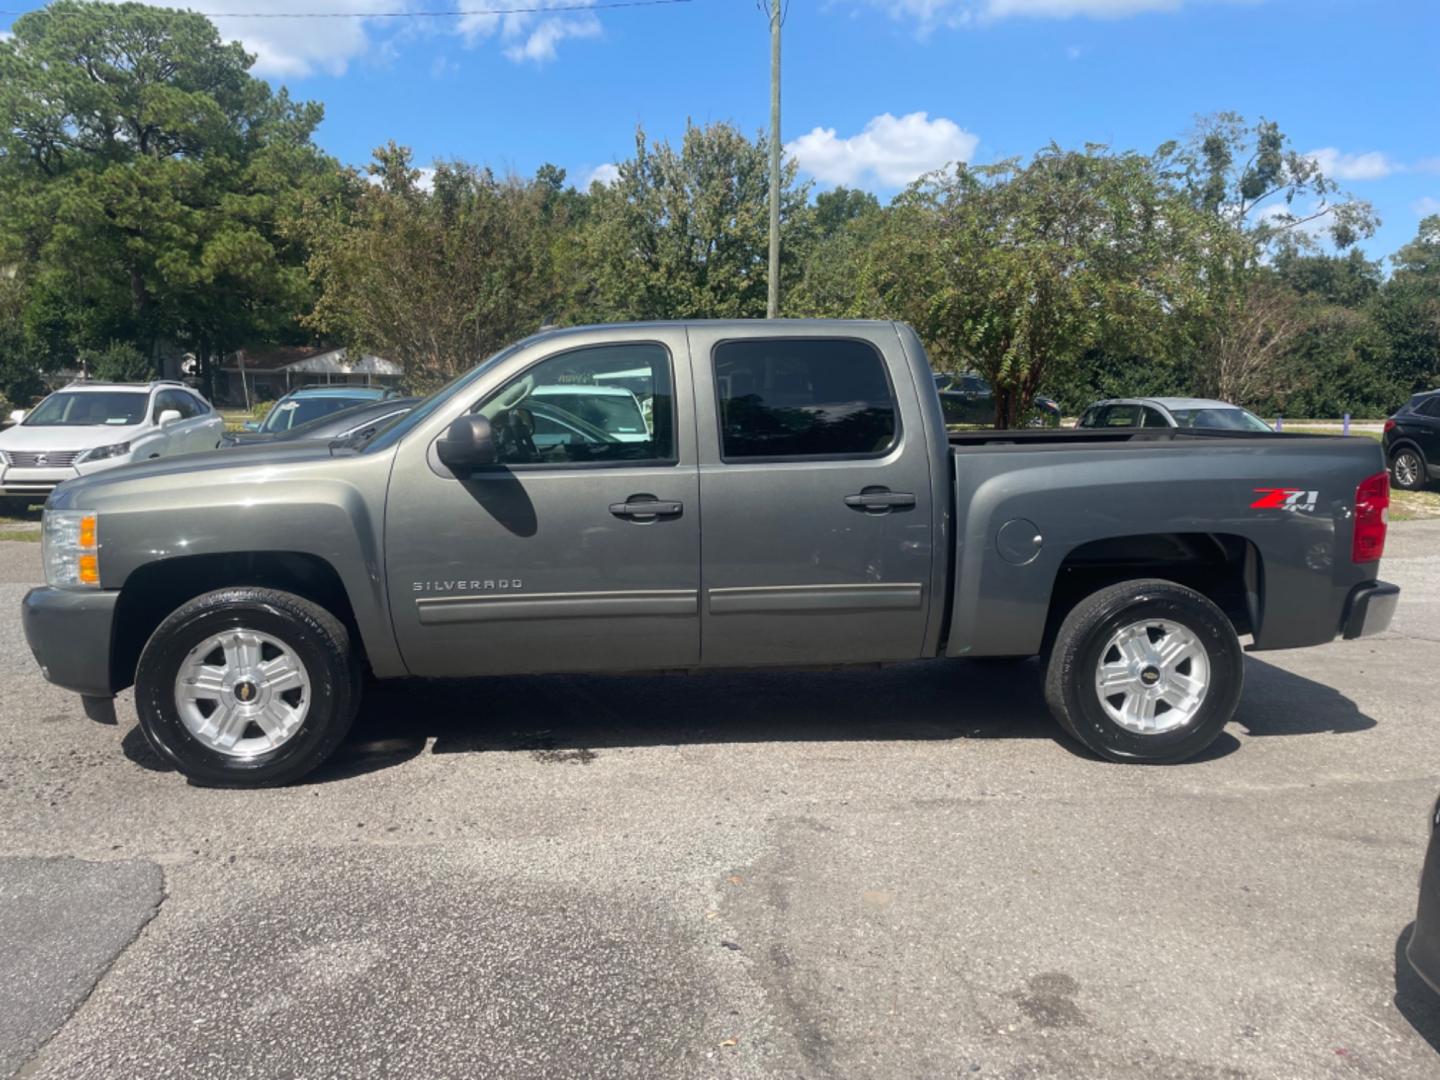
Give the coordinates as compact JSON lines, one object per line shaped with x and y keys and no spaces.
{"x":875,"y":90}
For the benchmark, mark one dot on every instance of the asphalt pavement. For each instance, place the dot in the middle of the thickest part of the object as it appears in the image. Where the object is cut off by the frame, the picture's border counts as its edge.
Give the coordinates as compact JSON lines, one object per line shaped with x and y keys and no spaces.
{"x":902,"y":873}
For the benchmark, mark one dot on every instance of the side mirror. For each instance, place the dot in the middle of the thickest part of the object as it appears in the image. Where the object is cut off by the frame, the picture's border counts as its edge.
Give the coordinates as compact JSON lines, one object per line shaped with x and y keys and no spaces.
{"x":466,"y":445}
{"x":169,"y":416}
{"x":17,"y":416}
{"x":250,"y":425}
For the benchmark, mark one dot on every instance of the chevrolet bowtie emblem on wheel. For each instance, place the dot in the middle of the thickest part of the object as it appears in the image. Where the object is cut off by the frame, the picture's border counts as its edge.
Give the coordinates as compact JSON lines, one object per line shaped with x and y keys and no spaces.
{"x":245,"y":691}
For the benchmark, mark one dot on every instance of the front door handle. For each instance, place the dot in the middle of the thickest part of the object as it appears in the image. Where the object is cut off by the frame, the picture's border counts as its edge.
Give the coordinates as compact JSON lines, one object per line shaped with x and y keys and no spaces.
{"x":646,"y":508}
{"x":880,"y":500}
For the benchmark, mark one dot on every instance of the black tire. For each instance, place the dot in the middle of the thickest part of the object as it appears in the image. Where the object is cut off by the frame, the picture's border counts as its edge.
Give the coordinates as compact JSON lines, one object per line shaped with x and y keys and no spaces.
{"x":317,"y":638}
{"x":1071,"y":664}
{"x":1416,"y":473}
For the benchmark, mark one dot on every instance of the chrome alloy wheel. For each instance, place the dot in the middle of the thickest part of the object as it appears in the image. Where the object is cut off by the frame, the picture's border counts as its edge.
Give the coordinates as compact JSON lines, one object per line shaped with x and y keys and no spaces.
{"x":242,"y":693}
{"x":1407,"y":469}
{"x":1152,"y":676}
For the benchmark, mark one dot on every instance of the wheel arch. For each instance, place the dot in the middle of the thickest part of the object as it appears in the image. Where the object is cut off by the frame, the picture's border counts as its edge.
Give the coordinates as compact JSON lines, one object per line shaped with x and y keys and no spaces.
{"x":1404,"y":443}
{"x":1223,"y":567}
{"x":154,"y":590}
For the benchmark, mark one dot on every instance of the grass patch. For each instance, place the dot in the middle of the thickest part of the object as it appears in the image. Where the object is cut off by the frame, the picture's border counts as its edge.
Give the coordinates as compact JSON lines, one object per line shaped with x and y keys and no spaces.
{"x":29,"y":534}
{"x":1298,"y":429}
{"x":235,"y":418}
{"x":1414,"y":505}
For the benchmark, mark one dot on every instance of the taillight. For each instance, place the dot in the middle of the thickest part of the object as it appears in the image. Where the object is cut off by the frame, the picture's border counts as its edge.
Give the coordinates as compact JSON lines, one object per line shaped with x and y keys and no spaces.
{"x":1389,"y":426}
{"x":1372,"y":514}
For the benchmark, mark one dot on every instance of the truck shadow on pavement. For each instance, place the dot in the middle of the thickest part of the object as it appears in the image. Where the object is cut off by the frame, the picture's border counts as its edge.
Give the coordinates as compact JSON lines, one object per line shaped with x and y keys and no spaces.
{"x":573,"y":719}
{"x":1415,"y":1001}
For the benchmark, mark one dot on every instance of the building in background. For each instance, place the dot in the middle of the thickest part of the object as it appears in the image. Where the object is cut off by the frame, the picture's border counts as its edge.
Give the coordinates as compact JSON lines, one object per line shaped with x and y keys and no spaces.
{"x":266,"y":375}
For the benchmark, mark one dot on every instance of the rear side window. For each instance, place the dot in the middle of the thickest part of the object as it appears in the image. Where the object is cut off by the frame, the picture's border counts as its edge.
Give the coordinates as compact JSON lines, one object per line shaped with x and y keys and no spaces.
{"x":794,"y":398}
{"x":1429,"y":407}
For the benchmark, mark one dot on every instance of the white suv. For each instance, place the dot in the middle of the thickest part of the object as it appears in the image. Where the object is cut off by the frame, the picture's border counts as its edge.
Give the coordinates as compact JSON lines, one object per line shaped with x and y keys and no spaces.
{"x":89,"y":426}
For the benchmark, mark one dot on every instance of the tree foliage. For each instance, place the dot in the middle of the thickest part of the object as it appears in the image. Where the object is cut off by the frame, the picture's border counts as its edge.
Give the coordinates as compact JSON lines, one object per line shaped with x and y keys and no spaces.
{"x":154,"y":196}
{"x":436,"y":280}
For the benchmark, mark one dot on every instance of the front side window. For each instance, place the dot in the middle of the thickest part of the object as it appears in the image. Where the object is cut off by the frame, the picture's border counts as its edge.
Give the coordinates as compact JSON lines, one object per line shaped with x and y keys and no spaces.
{"x":598,"y":405}
{"x":119,"y":408}
{"x":791,"y":397}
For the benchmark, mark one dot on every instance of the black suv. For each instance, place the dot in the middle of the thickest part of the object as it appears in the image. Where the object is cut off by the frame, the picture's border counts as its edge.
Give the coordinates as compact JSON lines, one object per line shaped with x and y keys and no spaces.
{"x":1412,"y":442}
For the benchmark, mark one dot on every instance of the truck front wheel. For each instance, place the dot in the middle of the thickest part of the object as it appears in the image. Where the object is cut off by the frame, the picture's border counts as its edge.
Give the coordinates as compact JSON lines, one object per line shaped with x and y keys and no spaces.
{"x":1145,"y":671}
{"x":247,"y":687}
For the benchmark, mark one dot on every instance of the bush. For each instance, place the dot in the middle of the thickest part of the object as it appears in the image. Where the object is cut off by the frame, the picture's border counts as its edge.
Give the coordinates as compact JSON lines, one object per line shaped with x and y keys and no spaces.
{"x":118,"y":362}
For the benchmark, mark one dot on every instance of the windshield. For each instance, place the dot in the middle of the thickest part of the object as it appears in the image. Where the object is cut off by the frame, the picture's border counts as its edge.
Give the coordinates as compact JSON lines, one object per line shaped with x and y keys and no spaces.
{"x":297,"y":411}
{"x":92,"y":408}
{"x":393,"y":433}
{"x":1234,"y":419}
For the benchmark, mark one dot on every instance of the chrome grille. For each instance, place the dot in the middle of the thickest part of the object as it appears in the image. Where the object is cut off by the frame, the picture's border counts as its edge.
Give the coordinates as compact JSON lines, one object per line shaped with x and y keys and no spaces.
{"x":52,"y":459}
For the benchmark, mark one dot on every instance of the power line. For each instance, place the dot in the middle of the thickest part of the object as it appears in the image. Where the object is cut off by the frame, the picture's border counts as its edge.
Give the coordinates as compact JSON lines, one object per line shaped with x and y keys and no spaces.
{"x":604,"y":5}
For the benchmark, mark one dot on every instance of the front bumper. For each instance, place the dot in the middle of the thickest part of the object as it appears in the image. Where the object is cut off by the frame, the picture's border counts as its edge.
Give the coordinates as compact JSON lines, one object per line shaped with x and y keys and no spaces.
{"x":69,"y":631}
{"x":1369,"y":609}
{"x":34,"y":482}
{"x":1424,"y":948}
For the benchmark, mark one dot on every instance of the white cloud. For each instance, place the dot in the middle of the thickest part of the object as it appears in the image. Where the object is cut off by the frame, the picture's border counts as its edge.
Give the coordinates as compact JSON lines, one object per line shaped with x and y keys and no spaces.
{"x":295,"y":48}
{"x":605,"y":174}
{"x":928,"y":15}
{"x":1337,"y":166}
{"x":1428,"y":165}
{"x":887,"y":153}
{"x":1426,"y":205}
{"x":529,"y":35}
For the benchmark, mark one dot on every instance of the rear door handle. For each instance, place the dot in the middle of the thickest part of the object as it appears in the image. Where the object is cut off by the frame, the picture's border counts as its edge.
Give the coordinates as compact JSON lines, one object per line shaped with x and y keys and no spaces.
{"x":647,"y":508}
{"x":880,"y":500}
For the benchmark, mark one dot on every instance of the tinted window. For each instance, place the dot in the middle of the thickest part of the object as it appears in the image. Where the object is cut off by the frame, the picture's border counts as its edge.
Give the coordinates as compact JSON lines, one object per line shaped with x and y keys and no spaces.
{"x":119,"y":408}
{"x":177,"y":400}
{"x":794,"y":398}
{"x":292,"y":412}
{"x":608,"y":403}
{"x":1091,"y":418}
{"x":1152,"y":419}
{"x":1122,"y":416}
{"x":1221,"y":419}
{"x":1429,"y":407}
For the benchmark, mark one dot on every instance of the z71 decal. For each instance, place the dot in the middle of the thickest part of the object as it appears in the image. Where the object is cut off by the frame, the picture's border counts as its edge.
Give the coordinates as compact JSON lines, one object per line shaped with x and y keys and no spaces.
{"x":1285,"y":499}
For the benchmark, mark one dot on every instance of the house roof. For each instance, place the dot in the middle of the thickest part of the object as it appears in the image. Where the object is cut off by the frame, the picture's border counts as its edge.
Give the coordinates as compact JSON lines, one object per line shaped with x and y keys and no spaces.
{"x":312,"y":361}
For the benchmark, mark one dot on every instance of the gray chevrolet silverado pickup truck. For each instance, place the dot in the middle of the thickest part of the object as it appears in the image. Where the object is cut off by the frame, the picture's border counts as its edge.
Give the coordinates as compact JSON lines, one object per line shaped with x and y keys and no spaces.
{"x":692,"y":496}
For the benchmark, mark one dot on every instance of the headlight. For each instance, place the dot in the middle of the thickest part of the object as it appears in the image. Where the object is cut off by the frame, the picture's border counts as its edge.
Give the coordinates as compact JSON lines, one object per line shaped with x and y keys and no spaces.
{"x":100,"y":453}
{"x":70,"y":548}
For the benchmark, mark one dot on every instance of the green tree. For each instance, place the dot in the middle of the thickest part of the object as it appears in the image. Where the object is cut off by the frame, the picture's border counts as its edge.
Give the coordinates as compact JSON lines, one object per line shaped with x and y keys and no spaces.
{"x":118,"y":362}
{"x":1408,"y":311}
{"x":148,"y":181}
{"x":684,"y":233}
{"x":1019,"y":271}
{"x":436,"y":280}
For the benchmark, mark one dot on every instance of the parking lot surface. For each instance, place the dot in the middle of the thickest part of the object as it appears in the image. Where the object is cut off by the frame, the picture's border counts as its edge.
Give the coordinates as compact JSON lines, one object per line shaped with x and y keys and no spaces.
{"x":898,"y":873}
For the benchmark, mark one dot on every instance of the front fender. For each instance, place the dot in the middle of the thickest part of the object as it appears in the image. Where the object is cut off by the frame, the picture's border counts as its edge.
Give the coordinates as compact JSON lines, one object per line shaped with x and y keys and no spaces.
{"x":218,"y":504}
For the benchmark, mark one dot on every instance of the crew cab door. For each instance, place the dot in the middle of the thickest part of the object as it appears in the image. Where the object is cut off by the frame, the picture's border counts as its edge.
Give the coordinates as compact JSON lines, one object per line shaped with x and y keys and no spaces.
{"x":816,"y":489}
{"x":580,"y":549}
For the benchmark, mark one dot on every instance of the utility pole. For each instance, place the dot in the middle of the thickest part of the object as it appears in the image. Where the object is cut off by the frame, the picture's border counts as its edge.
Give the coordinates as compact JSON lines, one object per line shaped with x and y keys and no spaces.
{"x":772,"y":305}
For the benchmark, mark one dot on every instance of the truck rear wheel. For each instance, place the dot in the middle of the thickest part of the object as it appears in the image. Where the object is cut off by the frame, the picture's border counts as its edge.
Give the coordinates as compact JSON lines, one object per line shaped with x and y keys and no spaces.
{"x":247,"y":687}
{"x":1145,"y":671}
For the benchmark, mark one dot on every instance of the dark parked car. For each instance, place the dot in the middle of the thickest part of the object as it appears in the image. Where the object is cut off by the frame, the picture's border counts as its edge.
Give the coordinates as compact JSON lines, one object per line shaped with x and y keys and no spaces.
{"x":336,"y":425}
{"x":1412,"y":442}
{"x":968,"y":399}
{"x":304,"y":405}
{"x":1424,"y":947}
